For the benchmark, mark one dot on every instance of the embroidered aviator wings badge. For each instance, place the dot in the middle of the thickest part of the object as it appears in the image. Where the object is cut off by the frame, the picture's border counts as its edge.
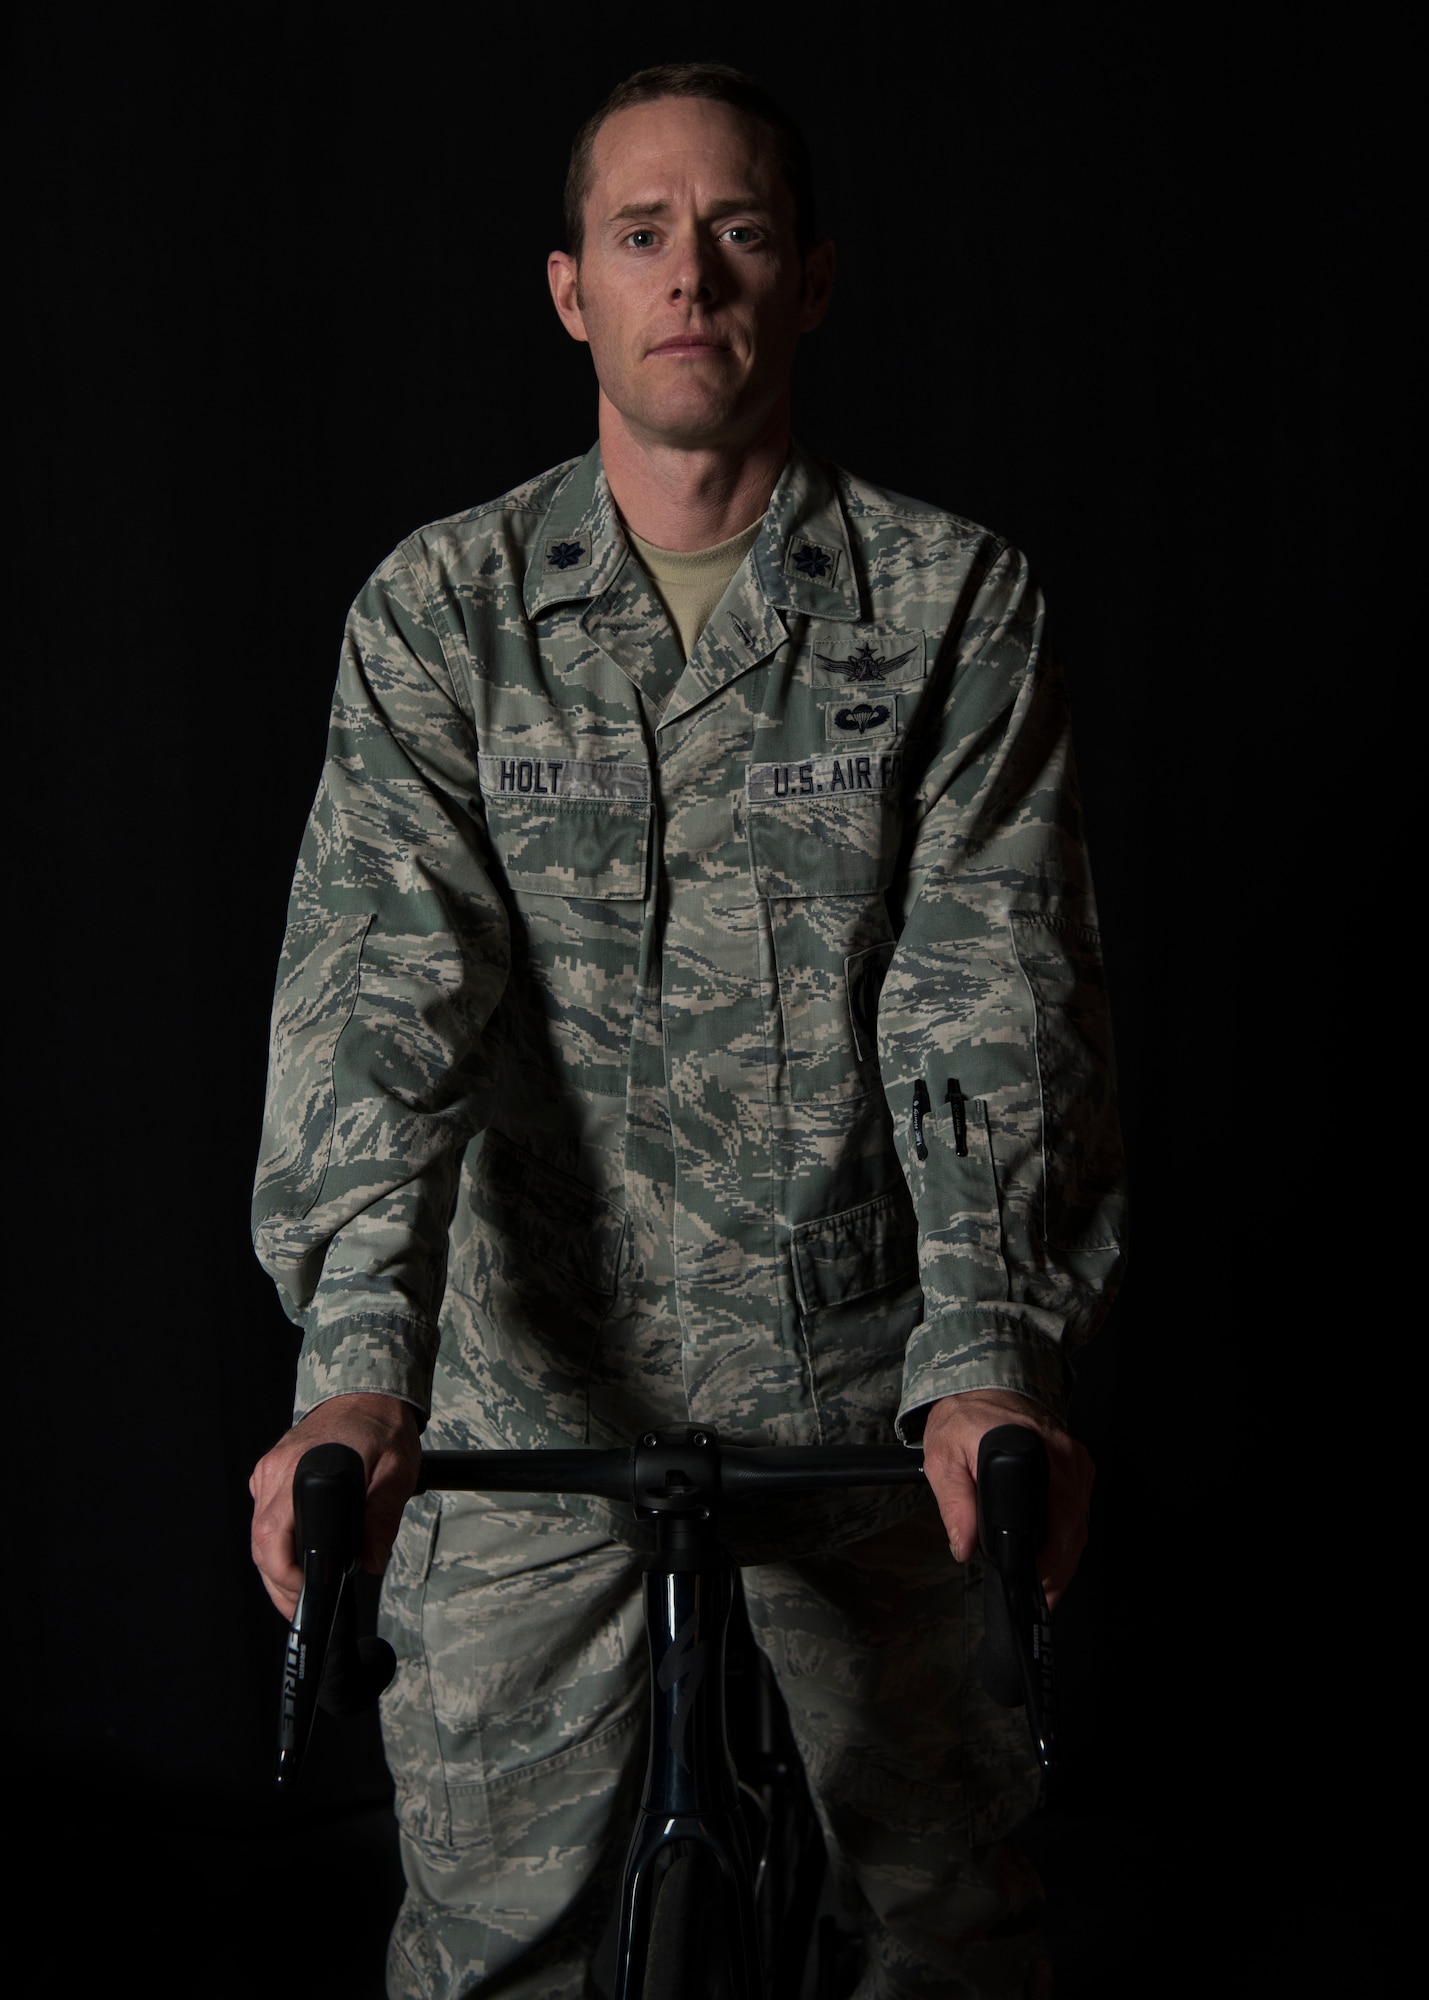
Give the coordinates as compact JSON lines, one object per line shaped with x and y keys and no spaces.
{"x":865,"y":665}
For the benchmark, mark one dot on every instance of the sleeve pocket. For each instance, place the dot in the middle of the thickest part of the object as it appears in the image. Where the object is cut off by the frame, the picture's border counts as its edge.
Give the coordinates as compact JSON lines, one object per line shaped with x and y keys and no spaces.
{"x":316,"y":993}
{"x":1081,"y":1146}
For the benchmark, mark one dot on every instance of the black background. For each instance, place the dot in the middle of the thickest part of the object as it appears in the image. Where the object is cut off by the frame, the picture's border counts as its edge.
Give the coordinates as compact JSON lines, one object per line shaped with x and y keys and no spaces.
{"x":1111,"y":281}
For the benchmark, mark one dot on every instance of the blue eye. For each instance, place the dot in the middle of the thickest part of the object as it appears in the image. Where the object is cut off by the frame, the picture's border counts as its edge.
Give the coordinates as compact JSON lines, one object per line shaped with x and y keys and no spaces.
{"x":636,"y":235}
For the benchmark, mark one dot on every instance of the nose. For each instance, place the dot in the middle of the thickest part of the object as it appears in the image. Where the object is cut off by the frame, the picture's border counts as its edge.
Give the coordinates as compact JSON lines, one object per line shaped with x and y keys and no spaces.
{"x":693,"y":277}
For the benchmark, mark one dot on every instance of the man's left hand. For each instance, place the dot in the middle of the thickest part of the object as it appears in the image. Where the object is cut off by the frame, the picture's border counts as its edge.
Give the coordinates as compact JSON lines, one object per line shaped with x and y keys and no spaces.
{"x":950,"y":1440}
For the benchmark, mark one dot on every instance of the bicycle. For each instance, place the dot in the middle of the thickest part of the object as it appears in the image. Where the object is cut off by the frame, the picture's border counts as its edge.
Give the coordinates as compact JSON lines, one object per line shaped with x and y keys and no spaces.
{"x":687,"y":1911}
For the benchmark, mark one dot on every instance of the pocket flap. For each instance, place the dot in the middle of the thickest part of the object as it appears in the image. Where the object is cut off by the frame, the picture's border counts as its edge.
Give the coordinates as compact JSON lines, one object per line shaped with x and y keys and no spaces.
{"x":825,"y":827}
{"x":564,"y":827}
{"x":842,"y":1257}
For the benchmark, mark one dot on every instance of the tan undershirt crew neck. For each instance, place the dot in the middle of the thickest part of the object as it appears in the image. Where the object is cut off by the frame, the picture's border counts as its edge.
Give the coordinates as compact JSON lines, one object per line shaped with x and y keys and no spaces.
{"x":691,"y":583}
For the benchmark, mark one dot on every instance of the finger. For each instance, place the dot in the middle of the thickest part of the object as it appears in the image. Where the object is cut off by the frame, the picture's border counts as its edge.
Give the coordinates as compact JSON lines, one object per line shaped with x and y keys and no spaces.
{"x":378,"y":1534}
{"x":1068,"y":1525}
{"x":1064,"y":1545}
{"x":956,"y":1493}
{"x":274,"y":1552}
{"x":1056,"y":1571}
{"x":282,"y":1581}
{"x":284,"y":1600}
{"x":387,"y":1497}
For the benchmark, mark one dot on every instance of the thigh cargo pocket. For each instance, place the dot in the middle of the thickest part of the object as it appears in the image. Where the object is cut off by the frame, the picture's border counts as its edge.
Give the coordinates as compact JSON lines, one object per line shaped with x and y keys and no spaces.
{"x":521,"y":1677}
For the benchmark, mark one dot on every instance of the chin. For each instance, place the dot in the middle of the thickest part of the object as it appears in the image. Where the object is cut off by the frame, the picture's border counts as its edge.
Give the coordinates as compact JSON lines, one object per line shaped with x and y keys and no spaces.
{"x":692,"y":426}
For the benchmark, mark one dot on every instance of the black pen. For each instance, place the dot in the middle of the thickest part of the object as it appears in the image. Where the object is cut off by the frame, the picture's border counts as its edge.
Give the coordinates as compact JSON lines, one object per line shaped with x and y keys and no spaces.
{"x":922,"y":1104}
{"x":960,"y":1117}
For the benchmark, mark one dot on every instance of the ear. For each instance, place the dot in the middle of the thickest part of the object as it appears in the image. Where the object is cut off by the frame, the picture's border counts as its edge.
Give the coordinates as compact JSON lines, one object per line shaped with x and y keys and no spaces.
{"x":563,"y":276}
{"x":818,"y":284}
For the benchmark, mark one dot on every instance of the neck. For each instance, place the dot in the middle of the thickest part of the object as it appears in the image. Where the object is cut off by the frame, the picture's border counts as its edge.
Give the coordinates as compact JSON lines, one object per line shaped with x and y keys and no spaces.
{"x":681,"y":498}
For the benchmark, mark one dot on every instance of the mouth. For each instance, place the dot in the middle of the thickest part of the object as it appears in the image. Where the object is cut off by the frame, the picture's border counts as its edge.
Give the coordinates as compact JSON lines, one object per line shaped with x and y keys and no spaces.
{"x":693,"y":344}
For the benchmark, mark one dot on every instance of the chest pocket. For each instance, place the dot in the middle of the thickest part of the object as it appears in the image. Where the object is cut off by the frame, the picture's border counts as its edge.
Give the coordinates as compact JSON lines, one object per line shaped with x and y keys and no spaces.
{"x":563,"y":827}
{"x":823,"y":842}
{"x":573,"y":842}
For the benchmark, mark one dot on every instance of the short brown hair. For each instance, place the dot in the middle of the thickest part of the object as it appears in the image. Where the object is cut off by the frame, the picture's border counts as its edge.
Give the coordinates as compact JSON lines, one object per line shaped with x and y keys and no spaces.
{"x":719,"y":84}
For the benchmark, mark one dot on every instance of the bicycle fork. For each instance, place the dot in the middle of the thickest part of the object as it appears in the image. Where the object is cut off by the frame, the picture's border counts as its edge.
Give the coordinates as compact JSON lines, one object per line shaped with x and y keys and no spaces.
{"x":691,"y":1796}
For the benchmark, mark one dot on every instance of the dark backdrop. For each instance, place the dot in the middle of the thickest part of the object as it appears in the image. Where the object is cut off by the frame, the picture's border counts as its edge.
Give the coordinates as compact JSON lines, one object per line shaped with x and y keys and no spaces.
{"x":1108,"y":284}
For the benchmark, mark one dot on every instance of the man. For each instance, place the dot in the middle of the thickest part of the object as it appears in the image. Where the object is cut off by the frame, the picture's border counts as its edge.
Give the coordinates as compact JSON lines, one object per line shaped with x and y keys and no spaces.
{"x":691,"y":815}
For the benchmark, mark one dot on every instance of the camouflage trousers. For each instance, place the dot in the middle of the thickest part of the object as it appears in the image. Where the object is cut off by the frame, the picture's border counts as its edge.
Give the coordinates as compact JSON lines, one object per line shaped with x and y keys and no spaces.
{"x":515,"y":1732}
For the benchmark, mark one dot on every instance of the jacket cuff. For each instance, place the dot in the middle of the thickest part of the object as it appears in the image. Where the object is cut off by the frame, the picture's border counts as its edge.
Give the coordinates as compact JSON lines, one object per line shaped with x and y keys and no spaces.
{"x":1012,"y":1347}
{"x":366,"y":1354}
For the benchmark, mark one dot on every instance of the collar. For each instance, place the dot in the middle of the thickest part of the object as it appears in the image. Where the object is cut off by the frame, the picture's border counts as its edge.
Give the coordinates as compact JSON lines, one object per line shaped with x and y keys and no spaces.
{"x":802,"y":561}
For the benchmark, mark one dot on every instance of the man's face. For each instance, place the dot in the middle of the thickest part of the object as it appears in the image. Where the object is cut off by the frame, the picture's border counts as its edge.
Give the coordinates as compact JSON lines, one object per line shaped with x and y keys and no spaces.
{"x":690,"y":288}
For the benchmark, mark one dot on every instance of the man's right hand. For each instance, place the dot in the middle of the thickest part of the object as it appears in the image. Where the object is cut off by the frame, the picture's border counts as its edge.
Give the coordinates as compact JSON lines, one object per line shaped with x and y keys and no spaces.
{"x":382,"y":1430}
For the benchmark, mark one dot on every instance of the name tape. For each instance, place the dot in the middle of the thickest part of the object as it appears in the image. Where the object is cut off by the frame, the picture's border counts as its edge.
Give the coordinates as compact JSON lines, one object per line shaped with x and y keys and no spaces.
{"x":827,"y":777}
{"x":562,"y":778}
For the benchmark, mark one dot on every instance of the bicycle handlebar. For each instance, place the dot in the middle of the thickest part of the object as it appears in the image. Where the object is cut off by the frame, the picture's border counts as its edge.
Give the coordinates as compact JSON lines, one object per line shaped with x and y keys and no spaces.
{"x":724,"y":1472}
{"x":665,"y":1473}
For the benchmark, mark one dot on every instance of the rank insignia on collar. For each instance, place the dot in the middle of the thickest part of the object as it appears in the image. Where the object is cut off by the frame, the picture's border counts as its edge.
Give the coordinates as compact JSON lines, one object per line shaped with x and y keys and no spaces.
{"x":865,"y":664}
{"x":812,"y":561}
{"x":566,"y":555}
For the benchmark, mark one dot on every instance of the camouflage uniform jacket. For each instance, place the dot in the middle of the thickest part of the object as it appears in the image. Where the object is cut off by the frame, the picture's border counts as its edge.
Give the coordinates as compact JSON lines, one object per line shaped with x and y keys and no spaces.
{"x":609,"y":981}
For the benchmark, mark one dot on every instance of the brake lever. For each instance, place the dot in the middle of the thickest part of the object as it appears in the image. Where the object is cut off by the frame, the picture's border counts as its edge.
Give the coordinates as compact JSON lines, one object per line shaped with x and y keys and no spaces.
{"x":324,"y":1664}
{"x":1015,"y":1658}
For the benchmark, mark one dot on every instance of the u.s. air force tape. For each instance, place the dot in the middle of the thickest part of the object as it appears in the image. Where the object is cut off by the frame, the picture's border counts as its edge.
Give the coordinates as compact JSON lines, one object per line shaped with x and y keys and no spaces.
{"x":562,"y":778}
{"x":827,"y":777}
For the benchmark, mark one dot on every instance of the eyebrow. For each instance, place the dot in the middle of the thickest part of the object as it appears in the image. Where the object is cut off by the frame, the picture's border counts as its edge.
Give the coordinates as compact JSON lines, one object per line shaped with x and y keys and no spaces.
{"x":638,"y":211}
